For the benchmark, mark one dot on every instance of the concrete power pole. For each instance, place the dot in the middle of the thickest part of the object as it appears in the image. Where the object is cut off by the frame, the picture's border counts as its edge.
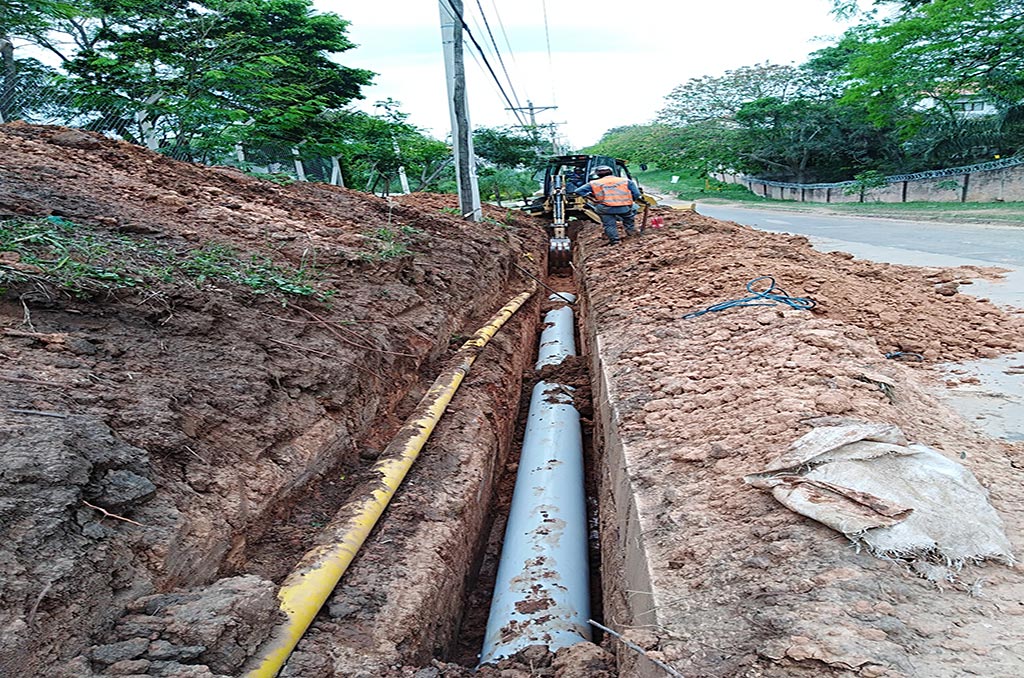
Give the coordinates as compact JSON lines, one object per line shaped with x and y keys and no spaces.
{"x":402,"y":178}
{"x":462,"y":133}
{"x":532,"y":111}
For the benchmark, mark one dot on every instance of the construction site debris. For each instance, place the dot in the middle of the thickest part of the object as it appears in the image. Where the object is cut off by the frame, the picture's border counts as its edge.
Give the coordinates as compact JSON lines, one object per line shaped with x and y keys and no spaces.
{"x":901,"y":500}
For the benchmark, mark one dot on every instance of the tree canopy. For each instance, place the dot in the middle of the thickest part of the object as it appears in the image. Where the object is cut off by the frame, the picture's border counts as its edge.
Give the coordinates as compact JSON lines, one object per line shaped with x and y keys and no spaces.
{"x":916,"y":84}
{"x":206,"y":71}
{"x":202,"y":77}
{"x":719,"y":97}
{"x":505,"y":147}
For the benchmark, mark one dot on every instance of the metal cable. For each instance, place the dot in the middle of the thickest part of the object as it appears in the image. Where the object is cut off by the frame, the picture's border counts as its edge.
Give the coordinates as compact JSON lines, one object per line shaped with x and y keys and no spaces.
{"x":770,"y":297}
{"x":501,"y":25}
{"x":465,"y":27}
{"x":497,"y":52}
{"x":547,"y":40}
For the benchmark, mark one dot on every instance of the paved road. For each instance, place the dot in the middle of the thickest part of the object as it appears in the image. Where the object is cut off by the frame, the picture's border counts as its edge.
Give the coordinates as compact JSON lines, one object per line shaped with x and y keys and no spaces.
{"x":996,"y":244}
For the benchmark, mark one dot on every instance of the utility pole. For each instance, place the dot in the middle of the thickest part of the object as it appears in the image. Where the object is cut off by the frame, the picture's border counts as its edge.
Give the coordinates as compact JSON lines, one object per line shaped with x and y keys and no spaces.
{"x":532,"y":111}
{"x":336,"y":177}
{"x":300,"y":171}
{"x":402,"y":178}
{"x":462,"y":133}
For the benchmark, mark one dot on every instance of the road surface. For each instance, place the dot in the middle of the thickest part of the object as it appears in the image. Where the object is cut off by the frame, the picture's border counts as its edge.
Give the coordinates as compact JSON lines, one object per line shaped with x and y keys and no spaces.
{"x":915,"y":243}
{"x":995,"y":244}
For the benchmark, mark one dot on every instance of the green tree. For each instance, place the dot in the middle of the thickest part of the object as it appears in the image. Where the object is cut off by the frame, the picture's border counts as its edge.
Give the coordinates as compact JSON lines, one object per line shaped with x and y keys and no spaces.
{"x":939,"y":51}
{"x":22,"y":77}
{"x":371,"y":148}
{"x":502,"y":183}
{"x":505,"y":147}
{"x":208,"y":73}
{"x":807,"y":141}
{"x":720,"y":97}
{"x":653,"y":144}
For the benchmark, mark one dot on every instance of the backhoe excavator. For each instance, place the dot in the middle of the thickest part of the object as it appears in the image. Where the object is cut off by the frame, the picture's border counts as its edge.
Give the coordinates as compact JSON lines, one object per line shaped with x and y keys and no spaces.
{"x":559,"y":203}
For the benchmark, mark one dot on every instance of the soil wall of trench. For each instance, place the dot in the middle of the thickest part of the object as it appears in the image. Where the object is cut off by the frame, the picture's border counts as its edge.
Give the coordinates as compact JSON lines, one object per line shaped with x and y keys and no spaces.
{"x":177,"y":434}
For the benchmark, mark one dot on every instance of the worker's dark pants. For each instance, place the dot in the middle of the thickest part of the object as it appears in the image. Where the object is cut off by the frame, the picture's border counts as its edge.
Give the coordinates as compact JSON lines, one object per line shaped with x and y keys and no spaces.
{"x":611,"y":215}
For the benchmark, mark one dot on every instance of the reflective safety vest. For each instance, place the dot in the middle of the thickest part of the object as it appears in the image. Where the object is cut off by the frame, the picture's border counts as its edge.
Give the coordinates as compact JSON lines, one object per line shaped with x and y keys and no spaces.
{"x":612,"y":191}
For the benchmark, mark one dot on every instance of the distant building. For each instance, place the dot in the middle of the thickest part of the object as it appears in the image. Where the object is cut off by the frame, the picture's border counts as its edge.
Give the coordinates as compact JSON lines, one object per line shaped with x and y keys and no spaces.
{"x":965,"y":105}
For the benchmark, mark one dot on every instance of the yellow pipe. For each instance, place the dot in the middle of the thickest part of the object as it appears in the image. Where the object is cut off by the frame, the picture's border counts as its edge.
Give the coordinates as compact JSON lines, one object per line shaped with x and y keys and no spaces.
{"x":307,"y":588}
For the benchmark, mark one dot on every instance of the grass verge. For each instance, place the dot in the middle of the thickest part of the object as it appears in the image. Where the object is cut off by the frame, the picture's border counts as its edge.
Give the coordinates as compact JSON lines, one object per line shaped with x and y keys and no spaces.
{"x":692,"y":188}
{"x":85,"y":261}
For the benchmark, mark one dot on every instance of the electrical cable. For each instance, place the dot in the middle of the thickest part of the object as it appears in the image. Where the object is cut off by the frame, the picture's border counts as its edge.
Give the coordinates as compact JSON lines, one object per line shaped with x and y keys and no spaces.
{"x":770,"y":297}
{"x":465,"y":27}
{"x":497,"y":52}
{"x":893,"y":355}
{"x":547,"y":40}
{"x":501,"y":25}
{"x":508,"y":43}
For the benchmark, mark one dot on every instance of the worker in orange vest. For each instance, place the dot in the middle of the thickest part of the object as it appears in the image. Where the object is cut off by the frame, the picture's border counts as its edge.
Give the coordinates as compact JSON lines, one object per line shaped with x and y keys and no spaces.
{"x":612,"y":198}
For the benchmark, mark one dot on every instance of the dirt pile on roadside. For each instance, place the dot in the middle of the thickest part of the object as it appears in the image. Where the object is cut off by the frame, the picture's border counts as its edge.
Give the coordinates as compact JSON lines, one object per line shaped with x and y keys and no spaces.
{"x":741,"y":586}
{"x":904,"y":308}
{"x":183,"y":349}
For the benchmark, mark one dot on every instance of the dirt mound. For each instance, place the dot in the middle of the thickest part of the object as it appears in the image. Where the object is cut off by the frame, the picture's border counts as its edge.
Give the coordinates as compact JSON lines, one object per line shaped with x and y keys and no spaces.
{"x":732,"y":584}
{"x":904,"y":308}
{"x":185,"y":348}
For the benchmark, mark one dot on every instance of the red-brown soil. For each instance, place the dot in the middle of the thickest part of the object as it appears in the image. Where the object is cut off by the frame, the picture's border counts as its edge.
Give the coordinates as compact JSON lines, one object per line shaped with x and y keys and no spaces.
{"x":740,"y":586}
{"x":200,"y":411}
{"x":170,"y":448}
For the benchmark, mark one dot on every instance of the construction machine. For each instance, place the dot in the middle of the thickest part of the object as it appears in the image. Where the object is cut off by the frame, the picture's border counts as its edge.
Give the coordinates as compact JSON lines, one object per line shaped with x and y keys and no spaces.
{"x":559,"y":203}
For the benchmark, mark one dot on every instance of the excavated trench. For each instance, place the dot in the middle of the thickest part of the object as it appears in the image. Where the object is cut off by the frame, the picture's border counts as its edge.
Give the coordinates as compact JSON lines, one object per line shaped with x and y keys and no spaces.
{"x":571,"y":372}
{"x":440,"y":541}
{"x":169,"y":449}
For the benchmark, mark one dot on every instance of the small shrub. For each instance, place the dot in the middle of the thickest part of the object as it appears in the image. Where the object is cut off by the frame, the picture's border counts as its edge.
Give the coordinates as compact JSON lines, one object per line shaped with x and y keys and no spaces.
{"x":865,"y":181}
{"x":390,"y":245}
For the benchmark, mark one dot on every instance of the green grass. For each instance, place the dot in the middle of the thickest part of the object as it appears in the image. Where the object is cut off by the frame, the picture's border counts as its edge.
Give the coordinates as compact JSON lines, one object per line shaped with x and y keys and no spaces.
{"x":692,"y":188}
{"x":390,"y":243}
{"x":1011,"y":213}
{"x":1007,"y":213}
{"x":86,"y":262}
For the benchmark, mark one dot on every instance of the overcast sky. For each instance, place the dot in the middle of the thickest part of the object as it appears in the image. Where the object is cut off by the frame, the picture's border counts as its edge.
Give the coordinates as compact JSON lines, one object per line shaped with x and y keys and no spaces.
{"x":611,"y":61}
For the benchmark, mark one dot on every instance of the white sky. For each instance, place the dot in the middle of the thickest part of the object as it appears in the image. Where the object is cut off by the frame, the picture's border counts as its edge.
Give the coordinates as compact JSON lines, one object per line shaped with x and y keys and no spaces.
{"x":639,"y":49}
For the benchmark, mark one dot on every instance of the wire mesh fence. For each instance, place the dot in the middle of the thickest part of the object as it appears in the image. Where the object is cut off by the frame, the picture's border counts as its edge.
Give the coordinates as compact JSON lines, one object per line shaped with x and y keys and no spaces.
{"x":1002,"y":163}
{"x":51,"y":99}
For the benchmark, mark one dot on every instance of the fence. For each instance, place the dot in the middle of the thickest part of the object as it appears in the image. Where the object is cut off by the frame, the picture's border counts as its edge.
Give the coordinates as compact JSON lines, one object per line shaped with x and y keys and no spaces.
{"x":994,"y":181}
{"x":48,"y":100}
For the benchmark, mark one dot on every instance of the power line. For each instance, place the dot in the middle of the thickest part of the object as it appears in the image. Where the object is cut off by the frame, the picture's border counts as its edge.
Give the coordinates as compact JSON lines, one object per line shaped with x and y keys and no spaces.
{"x":465,"y":27}
{"x":497,"y":51}
{"x":501,"y":25}
{"x":478,"y":29}
{"x":504,"y":35}
{"x":547,"y":40}
{"x":480,"y":65}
